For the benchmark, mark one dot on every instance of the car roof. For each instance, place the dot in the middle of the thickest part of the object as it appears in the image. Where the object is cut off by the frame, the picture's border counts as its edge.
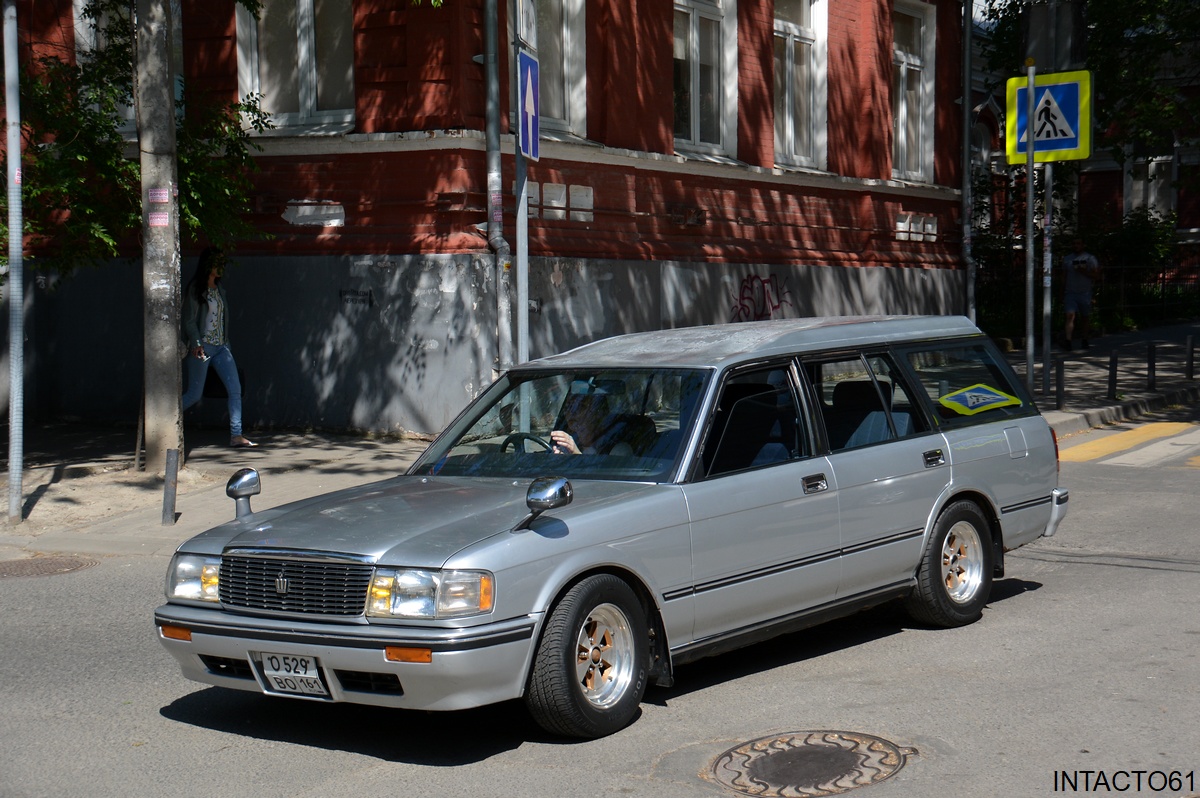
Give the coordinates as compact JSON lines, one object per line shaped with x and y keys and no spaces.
{"x":718,"y":345}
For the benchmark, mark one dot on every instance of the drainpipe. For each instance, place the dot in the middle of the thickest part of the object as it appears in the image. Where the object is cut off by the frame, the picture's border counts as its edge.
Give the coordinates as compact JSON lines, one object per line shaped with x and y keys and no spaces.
{"x":495,"y":187}
{"x":967,"y":200}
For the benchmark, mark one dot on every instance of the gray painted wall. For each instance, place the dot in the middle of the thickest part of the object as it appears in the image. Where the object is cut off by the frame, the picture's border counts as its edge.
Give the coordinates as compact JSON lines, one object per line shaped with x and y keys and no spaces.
{"x":400,"y":344}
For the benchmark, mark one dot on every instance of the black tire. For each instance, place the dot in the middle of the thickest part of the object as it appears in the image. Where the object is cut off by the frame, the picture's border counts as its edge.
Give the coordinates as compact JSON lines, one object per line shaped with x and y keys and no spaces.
{"x":589,"y":671}
{"x":954,"y":579}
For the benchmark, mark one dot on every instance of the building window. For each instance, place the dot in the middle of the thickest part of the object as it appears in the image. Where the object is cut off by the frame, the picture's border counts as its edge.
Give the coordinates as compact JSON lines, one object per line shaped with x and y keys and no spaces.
{"x":705,"y":53}
{"x":562,"y":60}
{"x":299,"y":55}
{"x":1149,"y":187}
{"x":912,"y":92}
{"x":800,"y":53}
{"x":89,"y":37}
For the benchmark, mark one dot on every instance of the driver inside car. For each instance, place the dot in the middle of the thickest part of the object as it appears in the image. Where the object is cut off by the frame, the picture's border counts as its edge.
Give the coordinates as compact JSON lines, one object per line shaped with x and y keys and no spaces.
{"x":582,"y":420}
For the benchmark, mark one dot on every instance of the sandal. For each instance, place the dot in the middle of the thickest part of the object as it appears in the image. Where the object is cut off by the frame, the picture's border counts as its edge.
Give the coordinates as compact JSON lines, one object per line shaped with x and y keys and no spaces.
{"x":242,"y":442}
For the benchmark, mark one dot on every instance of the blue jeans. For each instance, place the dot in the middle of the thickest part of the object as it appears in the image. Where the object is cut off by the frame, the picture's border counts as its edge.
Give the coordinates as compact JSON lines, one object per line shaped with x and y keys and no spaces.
{"x":220,"y":358}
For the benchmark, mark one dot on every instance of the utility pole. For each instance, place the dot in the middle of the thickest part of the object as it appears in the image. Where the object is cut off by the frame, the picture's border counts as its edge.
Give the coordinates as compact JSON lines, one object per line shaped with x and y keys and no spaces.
{"x":16,"y":269}
{"x":160,"y":234}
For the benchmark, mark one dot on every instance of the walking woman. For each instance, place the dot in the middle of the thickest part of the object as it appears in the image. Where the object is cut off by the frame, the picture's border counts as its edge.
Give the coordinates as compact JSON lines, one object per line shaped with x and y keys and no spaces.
{"x":205,"y":327}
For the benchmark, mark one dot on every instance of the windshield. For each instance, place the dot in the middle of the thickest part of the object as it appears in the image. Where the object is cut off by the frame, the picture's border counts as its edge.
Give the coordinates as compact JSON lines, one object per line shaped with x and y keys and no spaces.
{"x":619,"y":424}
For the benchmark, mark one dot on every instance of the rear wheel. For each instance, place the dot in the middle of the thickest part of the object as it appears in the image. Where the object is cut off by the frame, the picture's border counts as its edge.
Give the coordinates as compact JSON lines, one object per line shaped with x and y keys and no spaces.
{"x":589,"y":672}
{"x":954,"y":580}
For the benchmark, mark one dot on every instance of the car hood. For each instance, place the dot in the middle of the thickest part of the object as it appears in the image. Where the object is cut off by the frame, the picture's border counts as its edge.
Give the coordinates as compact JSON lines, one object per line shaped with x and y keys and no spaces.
{"x":408,"y":520}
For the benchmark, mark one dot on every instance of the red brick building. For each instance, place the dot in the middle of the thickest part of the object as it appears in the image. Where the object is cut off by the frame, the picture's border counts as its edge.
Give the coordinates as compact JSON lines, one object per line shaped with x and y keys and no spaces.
{"x":702,"y":161}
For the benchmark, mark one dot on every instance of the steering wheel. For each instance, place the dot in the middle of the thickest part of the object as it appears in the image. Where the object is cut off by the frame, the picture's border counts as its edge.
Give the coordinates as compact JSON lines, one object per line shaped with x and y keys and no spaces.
{"x":519,"y":437}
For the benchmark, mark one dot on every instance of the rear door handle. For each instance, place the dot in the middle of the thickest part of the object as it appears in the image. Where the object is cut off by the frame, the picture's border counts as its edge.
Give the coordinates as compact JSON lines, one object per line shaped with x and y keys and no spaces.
{"x":815,"y":483}
{"x":934,"y":458}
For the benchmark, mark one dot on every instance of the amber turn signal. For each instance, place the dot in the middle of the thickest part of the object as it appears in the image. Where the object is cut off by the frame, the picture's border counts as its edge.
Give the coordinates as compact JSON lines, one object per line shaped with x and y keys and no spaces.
{"x":176,"y":633}
{"x":403,"y":654}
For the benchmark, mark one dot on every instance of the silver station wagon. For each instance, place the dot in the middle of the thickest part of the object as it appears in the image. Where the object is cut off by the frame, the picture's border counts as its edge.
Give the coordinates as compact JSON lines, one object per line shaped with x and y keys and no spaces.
{"x":597,"y":518}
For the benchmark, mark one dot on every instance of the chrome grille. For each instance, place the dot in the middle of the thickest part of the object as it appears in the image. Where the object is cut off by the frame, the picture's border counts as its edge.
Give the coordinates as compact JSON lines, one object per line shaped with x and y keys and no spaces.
{"x":310,"y":587}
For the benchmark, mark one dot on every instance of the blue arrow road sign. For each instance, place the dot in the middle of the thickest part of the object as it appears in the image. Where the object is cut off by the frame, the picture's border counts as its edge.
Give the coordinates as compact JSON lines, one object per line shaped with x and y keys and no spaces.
{"x":529,"y":104}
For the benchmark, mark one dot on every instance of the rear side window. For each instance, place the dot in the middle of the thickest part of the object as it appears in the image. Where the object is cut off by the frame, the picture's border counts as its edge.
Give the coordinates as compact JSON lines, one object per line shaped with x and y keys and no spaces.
{"x":863,"y":401}
{"x":968,"y":383}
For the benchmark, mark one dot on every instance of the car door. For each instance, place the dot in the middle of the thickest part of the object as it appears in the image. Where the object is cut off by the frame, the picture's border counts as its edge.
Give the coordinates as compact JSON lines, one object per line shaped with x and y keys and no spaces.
{"x":889,"y":467}
{"x":764,"y":510}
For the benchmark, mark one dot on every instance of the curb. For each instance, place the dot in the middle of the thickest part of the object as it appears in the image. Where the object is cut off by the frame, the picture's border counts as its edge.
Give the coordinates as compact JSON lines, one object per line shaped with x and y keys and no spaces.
{"x":1067,"y":422}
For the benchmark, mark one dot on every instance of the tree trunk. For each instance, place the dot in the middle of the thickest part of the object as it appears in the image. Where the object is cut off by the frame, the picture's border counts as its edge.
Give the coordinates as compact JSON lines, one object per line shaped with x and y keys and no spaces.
{"x":163,"y":348}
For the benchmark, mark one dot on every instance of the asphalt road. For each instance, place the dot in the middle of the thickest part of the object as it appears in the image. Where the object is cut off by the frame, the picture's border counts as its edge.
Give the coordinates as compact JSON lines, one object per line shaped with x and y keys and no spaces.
{"x":1086,"y":661}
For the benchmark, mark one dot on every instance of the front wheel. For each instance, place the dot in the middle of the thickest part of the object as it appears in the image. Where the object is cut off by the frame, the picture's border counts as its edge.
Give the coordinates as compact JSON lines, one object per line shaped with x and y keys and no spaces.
{"x":589,"y":671}
{"x":954,"y":580}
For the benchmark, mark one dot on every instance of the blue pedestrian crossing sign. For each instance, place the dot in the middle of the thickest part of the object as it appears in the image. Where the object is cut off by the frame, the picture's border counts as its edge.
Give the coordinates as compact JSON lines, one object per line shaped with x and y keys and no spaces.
{"x":1062,"y":117}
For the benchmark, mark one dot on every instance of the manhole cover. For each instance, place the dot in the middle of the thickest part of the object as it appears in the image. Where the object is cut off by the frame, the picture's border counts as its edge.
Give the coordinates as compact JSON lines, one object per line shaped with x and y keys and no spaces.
{"x":806,"y":763}
{"x":43,"y":566}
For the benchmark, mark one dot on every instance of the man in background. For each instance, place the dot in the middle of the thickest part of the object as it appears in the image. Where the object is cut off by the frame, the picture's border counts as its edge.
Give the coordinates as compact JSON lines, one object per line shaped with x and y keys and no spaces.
{"x":1081,"y":271}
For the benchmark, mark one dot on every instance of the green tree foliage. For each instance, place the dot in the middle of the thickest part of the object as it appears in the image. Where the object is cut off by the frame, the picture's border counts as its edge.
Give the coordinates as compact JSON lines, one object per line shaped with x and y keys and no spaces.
{"x":1145,"y":59}
{"x":1144,"y":56}
{"x":81,"y":183}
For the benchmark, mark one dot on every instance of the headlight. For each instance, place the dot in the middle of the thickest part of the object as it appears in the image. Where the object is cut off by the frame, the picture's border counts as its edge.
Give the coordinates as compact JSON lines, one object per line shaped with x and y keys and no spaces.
{"x":193,"y":577}
{"x":412,"y":593}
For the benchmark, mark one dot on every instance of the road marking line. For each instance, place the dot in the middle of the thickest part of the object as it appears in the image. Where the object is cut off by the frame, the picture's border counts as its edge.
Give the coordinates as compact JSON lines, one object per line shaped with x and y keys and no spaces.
{"x":1111,"y":444}
{"x":1158,"y":452}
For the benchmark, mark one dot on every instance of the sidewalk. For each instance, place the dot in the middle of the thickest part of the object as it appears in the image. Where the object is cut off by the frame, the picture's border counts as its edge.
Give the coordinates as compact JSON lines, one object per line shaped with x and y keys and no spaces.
{"x":1086,"y":378}
{"x":81,"y":495}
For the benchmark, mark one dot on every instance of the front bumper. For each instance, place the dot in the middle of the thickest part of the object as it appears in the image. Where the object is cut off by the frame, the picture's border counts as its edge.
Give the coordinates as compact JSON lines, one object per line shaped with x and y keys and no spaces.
{"x":469,"y":667}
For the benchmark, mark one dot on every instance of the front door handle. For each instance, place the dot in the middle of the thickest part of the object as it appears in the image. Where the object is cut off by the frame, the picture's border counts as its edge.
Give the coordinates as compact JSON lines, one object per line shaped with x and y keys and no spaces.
{"x":815,"y":483}
{"x":934,"y":458}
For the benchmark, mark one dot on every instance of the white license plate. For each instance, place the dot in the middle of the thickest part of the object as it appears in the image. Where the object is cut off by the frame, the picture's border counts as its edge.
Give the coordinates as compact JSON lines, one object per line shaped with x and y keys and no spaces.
{"x":288,"y":673}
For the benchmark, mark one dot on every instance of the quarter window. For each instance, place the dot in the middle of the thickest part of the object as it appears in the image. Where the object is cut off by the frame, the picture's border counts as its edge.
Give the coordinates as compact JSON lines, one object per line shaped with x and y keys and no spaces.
{"x":299,"y":55}
{"x":912,"y":92}
{"x":705,"y":43}
{"x":967,"y":384}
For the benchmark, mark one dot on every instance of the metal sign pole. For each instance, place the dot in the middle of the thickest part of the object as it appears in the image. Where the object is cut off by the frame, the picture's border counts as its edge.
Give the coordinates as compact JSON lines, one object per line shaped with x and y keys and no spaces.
{"x":1047,"y":268}
{"x":1030,"y":108}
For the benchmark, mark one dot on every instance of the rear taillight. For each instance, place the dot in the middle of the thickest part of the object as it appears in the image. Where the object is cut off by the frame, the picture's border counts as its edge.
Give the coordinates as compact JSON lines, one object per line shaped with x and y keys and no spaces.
{"x":1057,"y":464}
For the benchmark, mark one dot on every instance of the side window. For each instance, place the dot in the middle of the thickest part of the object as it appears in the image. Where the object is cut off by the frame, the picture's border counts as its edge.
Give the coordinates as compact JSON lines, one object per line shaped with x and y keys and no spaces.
{"x":755,"y":423}
{"x":967,"y":383}
{"x":863,"y":401}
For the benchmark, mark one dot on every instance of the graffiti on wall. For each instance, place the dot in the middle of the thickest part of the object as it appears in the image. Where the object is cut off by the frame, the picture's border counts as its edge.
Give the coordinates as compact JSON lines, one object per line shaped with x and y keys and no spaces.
{"x":760,"y":298}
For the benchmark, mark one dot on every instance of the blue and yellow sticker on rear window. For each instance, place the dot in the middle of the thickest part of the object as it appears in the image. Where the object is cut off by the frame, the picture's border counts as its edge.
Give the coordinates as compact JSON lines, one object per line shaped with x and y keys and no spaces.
{"x":976,"y":399}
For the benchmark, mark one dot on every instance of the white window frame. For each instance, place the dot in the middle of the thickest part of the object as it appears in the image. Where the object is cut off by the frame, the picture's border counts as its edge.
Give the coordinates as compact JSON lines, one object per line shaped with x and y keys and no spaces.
{"x":925,"y":64}
{"x":725,"y":13}
{"x":574,"y":68}
{"x":248,"y":71}
{"x":817,"y":37}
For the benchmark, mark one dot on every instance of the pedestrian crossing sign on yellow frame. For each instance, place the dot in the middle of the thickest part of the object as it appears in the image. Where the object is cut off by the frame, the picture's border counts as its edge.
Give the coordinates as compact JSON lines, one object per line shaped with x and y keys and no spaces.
{"x":1062,"y":117}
